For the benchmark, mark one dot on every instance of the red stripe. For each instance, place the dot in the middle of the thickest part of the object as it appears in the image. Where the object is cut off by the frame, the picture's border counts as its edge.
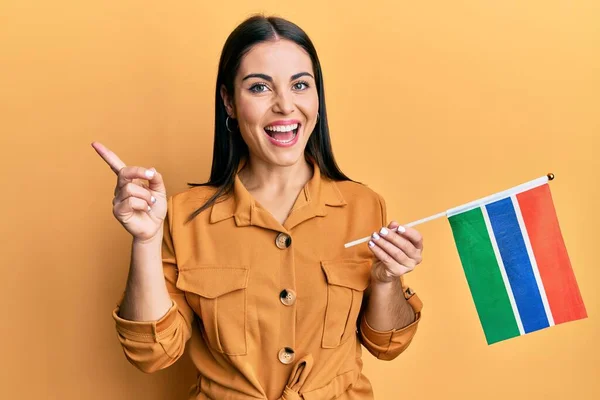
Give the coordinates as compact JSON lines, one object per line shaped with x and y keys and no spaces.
{"x":551,"y":255}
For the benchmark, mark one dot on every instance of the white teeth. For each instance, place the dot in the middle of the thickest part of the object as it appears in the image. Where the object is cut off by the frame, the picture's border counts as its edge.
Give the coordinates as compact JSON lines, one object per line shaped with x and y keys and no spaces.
{"x":281,"y":128}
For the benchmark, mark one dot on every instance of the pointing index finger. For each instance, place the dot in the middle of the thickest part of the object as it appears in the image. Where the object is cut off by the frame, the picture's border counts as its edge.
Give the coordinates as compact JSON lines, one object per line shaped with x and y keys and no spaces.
{"x":113,"y":161}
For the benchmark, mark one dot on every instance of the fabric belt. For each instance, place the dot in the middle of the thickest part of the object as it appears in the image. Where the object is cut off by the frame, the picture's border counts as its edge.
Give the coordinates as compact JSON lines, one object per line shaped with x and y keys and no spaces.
{"x":297,"y":378}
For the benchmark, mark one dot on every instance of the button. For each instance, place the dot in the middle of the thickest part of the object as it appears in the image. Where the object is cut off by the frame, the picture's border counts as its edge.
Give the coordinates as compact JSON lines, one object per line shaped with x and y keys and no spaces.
{"x":286,"y":355}
{"x":283,"y":241}
{"x":287,"y":297}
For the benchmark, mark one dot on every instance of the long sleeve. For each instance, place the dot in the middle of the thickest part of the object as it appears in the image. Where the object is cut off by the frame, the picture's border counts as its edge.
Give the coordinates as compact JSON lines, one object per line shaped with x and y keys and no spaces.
{"x":387,"y":345}
{"x":154,"y":345}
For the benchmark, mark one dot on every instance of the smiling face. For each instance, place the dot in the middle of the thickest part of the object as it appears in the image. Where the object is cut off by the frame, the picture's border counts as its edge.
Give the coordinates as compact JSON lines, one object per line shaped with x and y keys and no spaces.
{"x":275,"y":101}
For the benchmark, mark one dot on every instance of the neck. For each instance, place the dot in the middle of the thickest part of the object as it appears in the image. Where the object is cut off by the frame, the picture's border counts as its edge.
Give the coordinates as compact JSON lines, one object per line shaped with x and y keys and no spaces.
{"x":258,"y":175}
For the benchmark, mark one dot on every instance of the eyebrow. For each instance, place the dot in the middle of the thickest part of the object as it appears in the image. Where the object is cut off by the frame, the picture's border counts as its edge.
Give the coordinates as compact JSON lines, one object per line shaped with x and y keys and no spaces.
{"x":270,"y":79}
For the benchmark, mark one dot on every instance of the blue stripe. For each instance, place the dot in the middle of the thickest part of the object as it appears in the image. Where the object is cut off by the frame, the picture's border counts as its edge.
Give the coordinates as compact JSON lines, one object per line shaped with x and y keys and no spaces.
{"x":517,"y":264}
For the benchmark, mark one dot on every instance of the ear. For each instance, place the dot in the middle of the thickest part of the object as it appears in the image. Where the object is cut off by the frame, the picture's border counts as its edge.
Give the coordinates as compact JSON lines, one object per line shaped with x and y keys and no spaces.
{"x":228,"y":102}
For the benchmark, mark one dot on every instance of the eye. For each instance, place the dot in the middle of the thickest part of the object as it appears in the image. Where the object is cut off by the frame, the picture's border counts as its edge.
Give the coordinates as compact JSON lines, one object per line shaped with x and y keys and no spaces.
{"x":302,"y":85}
{"x":258,"y":88}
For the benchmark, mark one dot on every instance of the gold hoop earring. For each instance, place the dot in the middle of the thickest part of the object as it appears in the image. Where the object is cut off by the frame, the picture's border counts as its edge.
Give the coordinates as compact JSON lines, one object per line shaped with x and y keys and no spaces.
{"x":227,"y":125}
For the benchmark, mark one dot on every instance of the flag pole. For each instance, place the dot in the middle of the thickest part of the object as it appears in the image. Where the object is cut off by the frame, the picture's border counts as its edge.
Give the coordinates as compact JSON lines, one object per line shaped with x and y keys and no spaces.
{"x":535,"y":182}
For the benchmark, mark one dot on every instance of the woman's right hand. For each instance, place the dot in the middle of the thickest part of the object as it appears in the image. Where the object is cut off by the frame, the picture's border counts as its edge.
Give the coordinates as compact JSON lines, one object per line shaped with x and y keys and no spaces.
{"x":140,"y":202}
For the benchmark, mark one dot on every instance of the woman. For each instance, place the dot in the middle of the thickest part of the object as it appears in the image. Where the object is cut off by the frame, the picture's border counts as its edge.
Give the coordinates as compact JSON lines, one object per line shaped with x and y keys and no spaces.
{"x":249,"y":270}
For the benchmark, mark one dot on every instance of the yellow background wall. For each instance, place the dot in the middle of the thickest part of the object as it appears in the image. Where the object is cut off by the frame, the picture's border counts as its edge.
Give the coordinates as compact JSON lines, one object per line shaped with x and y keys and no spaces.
{"x":432,"y":104}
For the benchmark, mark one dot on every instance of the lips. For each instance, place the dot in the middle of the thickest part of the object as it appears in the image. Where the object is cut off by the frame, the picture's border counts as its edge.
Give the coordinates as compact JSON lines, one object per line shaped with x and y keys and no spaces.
{"x":283,"y":132}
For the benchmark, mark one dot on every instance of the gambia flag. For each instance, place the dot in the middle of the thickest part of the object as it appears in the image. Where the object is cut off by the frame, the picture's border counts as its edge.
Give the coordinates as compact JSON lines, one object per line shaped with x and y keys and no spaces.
{"x":516,"y":262}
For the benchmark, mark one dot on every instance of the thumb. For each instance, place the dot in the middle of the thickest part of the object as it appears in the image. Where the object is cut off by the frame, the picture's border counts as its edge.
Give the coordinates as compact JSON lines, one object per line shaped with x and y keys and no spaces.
{"x":393,"y":225}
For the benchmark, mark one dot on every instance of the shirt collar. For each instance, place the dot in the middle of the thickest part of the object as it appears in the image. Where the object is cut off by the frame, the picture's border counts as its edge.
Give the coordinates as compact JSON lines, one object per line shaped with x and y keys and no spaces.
{"x":312,"y":201}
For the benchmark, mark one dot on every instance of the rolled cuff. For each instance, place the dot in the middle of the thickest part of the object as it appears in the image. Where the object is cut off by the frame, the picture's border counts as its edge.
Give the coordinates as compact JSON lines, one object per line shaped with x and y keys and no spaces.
{"x":147,"y":331}
{"x":387,"y":345}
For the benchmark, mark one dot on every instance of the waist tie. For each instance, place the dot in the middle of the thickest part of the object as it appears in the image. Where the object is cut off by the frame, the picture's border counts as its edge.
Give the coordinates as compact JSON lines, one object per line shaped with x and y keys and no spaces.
{"x":297,"y":378}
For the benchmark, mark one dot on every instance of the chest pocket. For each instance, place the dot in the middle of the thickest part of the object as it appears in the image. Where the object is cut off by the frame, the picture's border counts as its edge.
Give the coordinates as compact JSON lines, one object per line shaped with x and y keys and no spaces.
{"x":218,"y":295}
{"x":346,"y":282}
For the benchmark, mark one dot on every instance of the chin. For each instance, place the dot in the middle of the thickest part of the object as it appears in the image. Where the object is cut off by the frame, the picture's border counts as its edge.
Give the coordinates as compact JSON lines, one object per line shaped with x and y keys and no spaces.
{"x":288,"y":159}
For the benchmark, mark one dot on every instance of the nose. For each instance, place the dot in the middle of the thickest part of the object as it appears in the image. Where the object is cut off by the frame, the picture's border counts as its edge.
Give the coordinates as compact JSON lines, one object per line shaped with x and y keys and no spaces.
{"x":283,"y":104}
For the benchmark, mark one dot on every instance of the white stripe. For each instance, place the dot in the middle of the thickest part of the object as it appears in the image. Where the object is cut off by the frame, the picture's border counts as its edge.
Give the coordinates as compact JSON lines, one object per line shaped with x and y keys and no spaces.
{"x":497,"y":196}
{"x":511,"y":297}
{"x":536,"y":271}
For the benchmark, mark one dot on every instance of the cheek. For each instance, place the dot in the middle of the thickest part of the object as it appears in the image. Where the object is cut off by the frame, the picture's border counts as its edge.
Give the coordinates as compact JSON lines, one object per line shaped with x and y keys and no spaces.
{"x":309,"y":105}
{"x":249,"y":115}
{"x":250,"y":111}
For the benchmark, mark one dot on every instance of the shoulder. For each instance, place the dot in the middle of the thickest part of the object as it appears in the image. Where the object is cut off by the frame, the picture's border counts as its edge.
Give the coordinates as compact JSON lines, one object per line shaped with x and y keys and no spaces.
{"x":362,"y":200}
{"x":190,"y":199}
{"x":354,"y":192}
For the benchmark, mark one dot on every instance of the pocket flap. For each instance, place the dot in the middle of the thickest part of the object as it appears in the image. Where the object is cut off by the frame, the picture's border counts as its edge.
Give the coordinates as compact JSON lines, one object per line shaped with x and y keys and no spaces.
{"x":354,"y":274}
{"x":212,"y":281}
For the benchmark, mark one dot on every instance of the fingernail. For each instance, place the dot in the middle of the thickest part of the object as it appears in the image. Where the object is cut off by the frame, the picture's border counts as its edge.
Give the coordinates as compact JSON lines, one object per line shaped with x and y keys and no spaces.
{"x":375,"y":236}
{"x":153,"y":199}
{"x":149,"y":174}
{"x":149,"y":208}
{"x":401,"y":229}
{"x":371,"y":244}
{"x":383,"y":231}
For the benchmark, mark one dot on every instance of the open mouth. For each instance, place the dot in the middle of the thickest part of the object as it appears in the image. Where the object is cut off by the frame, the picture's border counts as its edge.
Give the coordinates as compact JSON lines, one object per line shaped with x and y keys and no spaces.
{"x":283,"y":133}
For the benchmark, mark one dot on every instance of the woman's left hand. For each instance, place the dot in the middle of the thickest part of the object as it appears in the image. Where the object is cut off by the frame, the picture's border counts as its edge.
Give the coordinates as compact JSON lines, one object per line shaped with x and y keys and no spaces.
{"x":397,"y":252}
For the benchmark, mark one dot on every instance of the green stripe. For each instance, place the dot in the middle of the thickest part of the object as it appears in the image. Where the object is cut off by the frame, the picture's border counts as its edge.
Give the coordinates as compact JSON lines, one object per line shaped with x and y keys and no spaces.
{"x":483,"y":275}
